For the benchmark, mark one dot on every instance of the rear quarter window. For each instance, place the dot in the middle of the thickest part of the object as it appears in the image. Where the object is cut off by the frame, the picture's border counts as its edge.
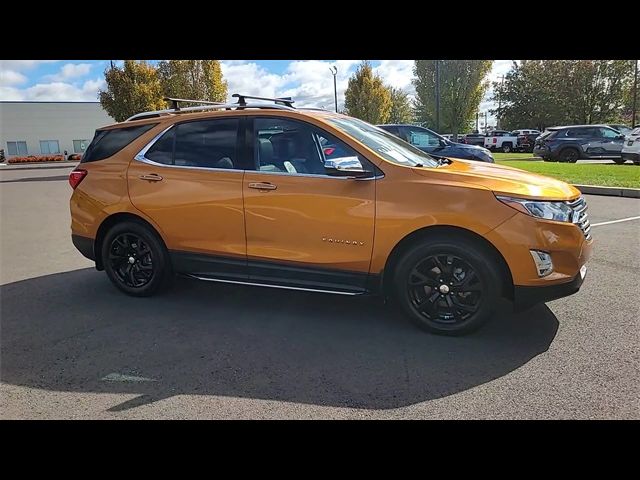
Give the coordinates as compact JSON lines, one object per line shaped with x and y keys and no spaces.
{"x":106,"y":143}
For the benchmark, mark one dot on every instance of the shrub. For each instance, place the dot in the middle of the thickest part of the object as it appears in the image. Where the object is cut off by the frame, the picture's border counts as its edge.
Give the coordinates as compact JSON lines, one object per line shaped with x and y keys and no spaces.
{"x":36,"y":159}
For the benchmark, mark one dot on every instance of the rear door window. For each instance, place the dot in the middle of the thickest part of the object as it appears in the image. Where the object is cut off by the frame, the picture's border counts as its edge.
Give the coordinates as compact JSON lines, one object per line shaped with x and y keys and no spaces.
{"x":207,"y":144}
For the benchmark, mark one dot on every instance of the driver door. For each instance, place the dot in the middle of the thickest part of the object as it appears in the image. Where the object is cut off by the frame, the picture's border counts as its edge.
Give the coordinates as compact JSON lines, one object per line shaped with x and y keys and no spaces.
{"x":305,"y":228}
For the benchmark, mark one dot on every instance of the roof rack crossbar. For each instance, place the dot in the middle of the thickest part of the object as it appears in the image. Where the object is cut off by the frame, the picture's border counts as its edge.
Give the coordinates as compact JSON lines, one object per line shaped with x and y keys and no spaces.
{"x":227,"y":106}
{"x":175,"y":102}
{"x":286,"y":101}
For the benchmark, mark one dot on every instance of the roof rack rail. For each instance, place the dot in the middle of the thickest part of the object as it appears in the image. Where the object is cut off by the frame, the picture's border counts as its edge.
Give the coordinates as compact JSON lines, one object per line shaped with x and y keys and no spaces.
{"x":279,"y":104}
{"x":286,"y":101}
{"x":175,"y":102}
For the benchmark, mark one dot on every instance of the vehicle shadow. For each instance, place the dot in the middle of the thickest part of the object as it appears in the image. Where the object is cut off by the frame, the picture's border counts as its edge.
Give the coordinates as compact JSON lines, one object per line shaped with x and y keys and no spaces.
{"x":74,"y":331}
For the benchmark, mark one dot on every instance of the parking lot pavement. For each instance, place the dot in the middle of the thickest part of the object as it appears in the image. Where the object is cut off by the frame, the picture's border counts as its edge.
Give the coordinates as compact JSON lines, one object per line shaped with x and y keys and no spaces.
{"x":74,"y":347}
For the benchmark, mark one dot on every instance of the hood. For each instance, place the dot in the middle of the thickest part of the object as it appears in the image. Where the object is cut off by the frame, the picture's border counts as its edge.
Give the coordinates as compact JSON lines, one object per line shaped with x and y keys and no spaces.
{"x":504,"y":180}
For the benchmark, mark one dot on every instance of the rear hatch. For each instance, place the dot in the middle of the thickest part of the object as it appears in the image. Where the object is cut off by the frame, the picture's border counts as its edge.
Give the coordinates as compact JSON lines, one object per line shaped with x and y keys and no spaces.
{"x":541,"y":141}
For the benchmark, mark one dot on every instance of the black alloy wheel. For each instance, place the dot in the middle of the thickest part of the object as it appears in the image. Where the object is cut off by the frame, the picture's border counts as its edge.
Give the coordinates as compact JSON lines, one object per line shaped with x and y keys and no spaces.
{"x":131,"y":260}
{"x":136,"y":259}
{"x":447,"y":283}
{"x":445,"y":289}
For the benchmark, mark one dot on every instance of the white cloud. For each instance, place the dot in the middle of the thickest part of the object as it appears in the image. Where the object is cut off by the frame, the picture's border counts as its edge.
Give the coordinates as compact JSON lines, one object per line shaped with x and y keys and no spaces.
{"x":397,"y":73}
{"x":250,"y":79}
{"x":20,"y":65}
{"x":11,"y":77}
{"x":55,"y":91}
{"x":70,"y":71}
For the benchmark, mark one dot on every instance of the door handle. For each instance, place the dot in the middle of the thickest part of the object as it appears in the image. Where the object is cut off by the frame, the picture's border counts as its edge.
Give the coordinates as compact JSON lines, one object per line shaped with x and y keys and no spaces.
{"x":263,"y":186}
{"x":152,"y":177}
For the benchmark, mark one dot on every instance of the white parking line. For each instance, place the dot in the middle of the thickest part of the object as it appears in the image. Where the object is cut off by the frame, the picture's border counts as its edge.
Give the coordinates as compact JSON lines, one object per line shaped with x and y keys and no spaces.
{"x":615,"y":221}
{"x":118,"y":377}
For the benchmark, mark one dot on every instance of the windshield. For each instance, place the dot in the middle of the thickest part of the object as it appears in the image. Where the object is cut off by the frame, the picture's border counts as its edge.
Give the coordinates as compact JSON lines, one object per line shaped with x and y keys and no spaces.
{"x":388,"y":146}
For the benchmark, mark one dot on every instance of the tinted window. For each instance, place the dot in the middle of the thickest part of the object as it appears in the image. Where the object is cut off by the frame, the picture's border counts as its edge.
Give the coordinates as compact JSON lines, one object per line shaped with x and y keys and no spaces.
{"x":608,"y":133}
{"x":421,"y":138}
{"x":581,"y":133}
{"x":286,"y":146}
{"x":207,"y":143}
{"x":162,"y":150}
{"x":106,"y":143}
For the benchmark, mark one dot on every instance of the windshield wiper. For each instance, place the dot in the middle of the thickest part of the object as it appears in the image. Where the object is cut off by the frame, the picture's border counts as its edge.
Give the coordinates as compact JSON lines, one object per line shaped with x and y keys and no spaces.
{"x":441,"y":160}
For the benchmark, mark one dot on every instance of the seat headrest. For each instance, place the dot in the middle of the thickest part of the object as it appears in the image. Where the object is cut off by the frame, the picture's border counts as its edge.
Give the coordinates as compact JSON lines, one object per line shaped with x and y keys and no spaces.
{"x":265,"y":150}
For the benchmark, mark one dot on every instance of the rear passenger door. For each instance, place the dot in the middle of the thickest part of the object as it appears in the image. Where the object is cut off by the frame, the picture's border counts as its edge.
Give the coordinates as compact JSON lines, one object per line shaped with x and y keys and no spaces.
{"x":188,"y":180}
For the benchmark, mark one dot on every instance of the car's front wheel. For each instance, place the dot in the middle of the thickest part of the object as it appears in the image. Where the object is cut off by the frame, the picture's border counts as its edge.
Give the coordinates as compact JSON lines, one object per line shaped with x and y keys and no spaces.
{"x":447,"y":285}
{"x":135,"y":259}
{"x":619,"y":161}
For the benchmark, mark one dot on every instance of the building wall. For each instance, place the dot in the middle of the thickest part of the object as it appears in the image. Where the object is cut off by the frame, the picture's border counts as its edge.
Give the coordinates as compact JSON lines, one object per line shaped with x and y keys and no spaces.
{"x":62,"y":121}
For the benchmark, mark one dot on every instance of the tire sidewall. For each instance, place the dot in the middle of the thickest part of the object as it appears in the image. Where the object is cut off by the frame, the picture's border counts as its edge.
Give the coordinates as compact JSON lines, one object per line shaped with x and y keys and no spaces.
{"x":159,"y":255}
{"x":467,"y":250}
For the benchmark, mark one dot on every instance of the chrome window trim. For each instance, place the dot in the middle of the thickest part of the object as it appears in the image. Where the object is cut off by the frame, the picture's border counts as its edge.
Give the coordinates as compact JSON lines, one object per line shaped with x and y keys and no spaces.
{"x":315,"y":175}
{"x":140,"y":157}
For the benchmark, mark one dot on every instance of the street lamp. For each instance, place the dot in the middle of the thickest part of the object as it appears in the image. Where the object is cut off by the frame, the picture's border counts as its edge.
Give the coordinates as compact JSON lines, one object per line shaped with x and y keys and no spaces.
{"x":334,"y":71}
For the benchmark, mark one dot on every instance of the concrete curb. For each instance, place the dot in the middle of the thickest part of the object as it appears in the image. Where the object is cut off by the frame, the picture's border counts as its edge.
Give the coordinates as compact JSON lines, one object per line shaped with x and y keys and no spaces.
{"x":609,"y":191}
{"x":5,"y":167}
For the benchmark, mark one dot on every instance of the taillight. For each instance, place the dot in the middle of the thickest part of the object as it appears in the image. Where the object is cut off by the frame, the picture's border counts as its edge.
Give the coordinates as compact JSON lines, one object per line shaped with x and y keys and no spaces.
{"x":76,"y":176}
{"x":495,"y":140}
{"x":329,"y":150}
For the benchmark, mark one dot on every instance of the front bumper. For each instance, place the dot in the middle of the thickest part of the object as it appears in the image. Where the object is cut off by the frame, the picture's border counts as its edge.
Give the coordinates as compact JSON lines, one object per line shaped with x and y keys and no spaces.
{"x":526,"y":297}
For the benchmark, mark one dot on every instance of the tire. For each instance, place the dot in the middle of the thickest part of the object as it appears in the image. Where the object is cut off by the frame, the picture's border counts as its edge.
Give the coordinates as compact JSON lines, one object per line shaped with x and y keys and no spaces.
{"x":619,"y":161}
{"x":569,"y":155}
{"x":430,"y":291}
{"x":507,"y":147}
{"x":135,"y":259}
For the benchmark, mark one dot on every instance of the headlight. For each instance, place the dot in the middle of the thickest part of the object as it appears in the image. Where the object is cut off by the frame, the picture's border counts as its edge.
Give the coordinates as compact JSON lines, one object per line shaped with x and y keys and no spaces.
{"x":558,"y":211}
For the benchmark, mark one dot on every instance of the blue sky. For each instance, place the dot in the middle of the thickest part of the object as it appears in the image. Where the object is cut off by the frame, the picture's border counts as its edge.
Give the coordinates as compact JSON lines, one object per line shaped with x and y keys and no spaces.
{"x":309,"y":82}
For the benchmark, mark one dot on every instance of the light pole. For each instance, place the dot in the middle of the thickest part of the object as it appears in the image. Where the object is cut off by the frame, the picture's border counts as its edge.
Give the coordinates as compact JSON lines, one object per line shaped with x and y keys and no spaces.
{"x":635,"y":95}
{"x":437,"y":96}
{"x":334,"y":71}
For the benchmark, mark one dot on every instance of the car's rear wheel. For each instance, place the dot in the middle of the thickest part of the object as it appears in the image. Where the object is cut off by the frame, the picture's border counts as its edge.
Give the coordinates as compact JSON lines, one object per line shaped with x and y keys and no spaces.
{"x":506,"y":148}
{"x":135,"y":259}
{"x":447,"y":286}
{"x":570,"y":155}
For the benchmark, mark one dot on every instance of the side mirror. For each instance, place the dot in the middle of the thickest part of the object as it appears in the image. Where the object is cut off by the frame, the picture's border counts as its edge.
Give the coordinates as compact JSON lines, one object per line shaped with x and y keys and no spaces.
{"x":620,"y":137}
{"x":346,"y":167}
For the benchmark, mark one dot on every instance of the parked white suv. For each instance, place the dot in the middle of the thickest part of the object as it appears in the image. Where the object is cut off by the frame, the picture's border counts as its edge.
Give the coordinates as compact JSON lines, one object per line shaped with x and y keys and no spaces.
{"x":631,"y":148}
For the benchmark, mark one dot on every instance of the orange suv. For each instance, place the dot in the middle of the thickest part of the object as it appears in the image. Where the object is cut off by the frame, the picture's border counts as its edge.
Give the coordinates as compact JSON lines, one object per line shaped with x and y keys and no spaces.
{"x":261,"y":193}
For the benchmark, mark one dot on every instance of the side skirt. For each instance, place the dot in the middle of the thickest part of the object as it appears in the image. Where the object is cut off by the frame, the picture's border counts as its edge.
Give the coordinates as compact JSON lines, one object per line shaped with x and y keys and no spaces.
{"x":272,"y":274}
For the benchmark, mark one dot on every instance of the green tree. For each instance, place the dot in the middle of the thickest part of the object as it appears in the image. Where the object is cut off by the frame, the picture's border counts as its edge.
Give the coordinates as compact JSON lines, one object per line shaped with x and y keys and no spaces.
{"x":367,"y":97}
{"x":195,"y":79}
{"x":401,"y":111}
{"x":462,"y":85}
{"x":132,"y":89}
{"x":544,"y":93}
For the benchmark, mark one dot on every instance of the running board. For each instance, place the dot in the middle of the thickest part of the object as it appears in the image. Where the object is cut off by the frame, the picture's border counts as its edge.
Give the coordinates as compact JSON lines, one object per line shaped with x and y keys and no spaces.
{"x":254,"y":284}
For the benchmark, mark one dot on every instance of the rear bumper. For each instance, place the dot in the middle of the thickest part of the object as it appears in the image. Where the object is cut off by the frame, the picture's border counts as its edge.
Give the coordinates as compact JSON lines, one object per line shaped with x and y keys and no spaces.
{"x":525,"y":297}
{"x":541,"y":152}
{"x":84,"y":246}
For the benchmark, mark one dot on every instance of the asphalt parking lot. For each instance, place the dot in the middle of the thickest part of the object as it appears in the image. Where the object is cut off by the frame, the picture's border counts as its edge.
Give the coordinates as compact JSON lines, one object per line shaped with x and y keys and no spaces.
{"x":71,"y":346}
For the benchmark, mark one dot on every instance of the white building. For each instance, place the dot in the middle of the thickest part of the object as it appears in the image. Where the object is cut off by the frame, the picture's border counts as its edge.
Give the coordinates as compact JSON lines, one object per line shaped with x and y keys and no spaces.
{"x":46,"y":128}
